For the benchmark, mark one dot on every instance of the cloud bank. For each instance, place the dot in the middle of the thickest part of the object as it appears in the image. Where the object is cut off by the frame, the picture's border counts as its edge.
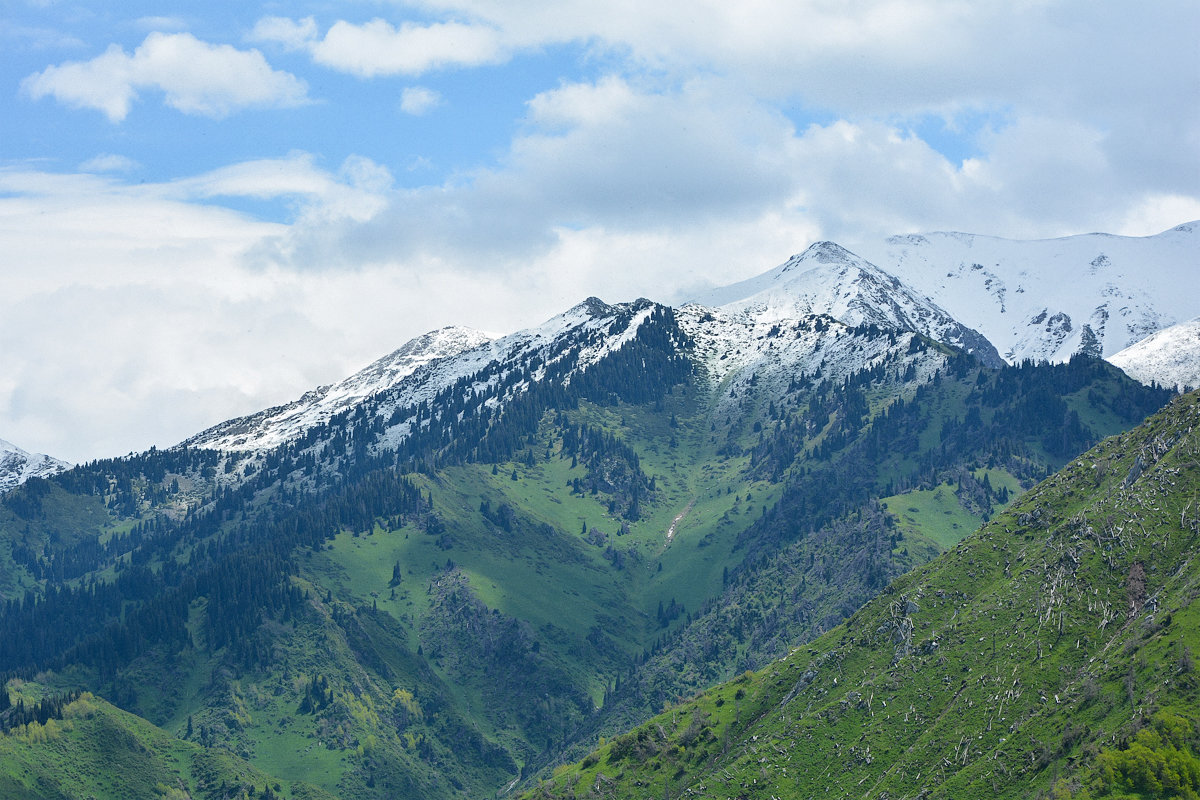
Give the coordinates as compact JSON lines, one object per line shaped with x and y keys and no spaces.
{"x":658,"y":152}
{"x":195,"y":77}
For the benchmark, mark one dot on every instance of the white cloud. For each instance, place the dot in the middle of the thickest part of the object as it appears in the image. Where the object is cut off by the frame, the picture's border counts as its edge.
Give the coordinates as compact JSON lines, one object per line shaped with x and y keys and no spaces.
{"x":108,"y":162}
{"x":604,"y":154}
{"x":196,"y":78}
{"x":878,"y":55}
{"x":105,"y":83}
{"x":1146,"y":216}
{"x":30,"y":37}
{"x":379,"y":48}
{"x":1102,"y":81}
{"x":130,"y":315}
{"x":575,"y":104}
{"x":292,"y":34}
{"x":637,"y":162}
{"x":418,"y":100}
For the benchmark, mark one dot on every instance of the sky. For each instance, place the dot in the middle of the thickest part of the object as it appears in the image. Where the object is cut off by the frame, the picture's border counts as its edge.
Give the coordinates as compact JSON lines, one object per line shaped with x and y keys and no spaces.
{"x":207,"y":209}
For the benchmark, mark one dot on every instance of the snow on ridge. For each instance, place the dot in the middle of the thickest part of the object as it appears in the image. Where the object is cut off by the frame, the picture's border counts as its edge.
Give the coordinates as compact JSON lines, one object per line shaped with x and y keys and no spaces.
{"x":1048,"y":299}
{"x":1170,"y":357}
{"x":741,"y":355}
{"x":585,"y":326}
{"x":274,"y":426}
{"x":18,"y":466}
{"x":828,"y":279}
{"x":426,"y":366}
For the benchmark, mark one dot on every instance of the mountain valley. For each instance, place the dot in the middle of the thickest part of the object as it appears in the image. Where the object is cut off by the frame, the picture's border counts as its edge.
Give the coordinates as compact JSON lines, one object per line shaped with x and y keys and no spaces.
{"x":481,"y":555}
{"x":1051,"y":654}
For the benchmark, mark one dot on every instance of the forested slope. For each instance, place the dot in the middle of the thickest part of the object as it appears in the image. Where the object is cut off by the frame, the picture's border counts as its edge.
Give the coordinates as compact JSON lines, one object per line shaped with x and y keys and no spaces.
{"x":1052,"y":652}
{"x":541,"y":562}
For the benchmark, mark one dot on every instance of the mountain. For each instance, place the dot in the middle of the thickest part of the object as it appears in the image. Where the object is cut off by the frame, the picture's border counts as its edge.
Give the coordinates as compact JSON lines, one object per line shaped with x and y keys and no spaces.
{"x":822,"y":287}
{"x":275,"y":426}
{"x":18,"y":466}
{"x":1170,"y":357}
{"x":440,"y":577}
{"x":826,"y":279}
{"x":1049,"y":299}
{"x":1000,"y":300}
{"x":437,"y":365}
{"x":1051,"y":653}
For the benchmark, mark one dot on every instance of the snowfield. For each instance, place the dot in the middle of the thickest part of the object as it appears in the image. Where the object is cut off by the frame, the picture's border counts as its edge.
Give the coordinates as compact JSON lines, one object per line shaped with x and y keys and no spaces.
{"x":1047,"y":299}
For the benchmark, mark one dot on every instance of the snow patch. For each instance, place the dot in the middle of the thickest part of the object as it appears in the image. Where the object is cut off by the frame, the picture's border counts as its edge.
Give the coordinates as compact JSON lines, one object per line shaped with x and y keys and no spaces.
{"x":18,"y":466}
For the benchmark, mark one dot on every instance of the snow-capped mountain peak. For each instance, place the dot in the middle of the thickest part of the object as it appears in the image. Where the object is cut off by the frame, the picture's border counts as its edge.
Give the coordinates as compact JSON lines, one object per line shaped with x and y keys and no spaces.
{"x":18,"y":466}
{"x":827,"y":279}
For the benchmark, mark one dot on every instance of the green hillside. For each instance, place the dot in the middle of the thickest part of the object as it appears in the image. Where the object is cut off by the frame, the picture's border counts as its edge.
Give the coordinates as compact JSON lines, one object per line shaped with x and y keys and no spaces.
{"x":453,"y":618}
{"x":89,"y":749}
{"x":1051,"y":653}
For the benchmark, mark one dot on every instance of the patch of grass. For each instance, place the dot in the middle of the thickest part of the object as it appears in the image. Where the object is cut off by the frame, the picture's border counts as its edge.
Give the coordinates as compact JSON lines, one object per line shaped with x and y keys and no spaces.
{"x":99,"y":751}
{"x":934,"y":514}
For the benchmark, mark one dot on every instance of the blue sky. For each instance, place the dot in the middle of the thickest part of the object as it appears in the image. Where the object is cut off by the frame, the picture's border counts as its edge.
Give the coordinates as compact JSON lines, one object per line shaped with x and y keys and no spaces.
{"x":206,"y":209}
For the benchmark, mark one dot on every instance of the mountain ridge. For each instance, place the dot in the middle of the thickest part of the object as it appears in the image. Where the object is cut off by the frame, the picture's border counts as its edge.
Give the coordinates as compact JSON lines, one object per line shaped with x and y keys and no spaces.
{"x":275,"y":426}
{"x":18,"y":466}
{"x":825,"y":282}
{"x":1007,"y":310}
{"x":1046,"y":299}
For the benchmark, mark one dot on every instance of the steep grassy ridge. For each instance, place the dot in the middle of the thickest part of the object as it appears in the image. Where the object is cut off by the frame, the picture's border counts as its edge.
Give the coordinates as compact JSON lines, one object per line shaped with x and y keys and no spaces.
{"x":1050,"y":652}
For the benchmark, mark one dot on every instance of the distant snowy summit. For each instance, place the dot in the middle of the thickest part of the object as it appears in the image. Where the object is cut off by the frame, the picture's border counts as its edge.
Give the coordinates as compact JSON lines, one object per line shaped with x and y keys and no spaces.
{"x":1049,"y":299}
{"x":827,"y":279}
{"x":18,"y":466}
{"x":1170,"y":357}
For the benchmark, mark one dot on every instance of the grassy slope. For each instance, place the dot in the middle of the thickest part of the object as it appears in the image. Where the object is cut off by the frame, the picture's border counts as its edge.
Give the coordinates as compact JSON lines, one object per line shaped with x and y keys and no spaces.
{"x":563,"y":579}
{"x":937,"y":514}
{"x":1003,"y":668}
{"x":101,"y":752}
{"x":544,"y":572}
